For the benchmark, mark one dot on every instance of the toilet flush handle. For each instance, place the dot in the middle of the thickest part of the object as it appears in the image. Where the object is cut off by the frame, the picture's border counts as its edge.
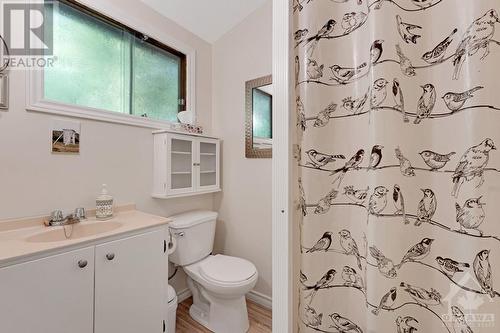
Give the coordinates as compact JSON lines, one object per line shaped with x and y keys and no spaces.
{"x":179,"y":234}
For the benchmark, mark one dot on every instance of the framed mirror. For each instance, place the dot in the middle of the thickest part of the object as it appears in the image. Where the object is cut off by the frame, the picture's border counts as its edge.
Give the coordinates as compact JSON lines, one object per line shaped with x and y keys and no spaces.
{"x":259,"y":118}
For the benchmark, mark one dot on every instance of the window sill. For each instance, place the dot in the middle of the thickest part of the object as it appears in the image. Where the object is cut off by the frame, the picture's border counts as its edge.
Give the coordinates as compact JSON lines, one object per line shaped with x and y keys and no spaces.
{"x":96,"y":114}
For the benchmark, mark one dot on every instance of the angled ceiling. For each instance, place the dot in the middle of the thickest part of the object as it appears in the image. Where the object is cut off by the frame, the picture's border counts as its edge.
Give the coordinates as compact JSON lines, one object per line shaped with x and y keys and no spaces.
{"x":206,"y":19}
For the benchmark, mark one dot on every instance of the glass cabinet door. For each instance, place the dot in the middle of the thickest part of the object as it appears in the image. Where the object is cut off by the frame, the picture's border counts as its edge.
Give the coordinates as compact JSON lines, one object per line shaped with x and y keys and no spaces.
{"x":209,"y":164}
{"x":181,"y":167}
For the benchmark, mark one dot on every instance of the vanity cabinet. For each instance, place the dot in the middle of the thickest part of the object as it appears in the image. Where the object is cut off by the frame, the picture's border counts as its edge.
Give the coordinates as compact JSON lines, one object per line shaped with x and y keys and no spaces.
{"x":129,"y":282}
{"x":49,"y":295}
{"x":185,"y":165}
{"x":116,"y":286}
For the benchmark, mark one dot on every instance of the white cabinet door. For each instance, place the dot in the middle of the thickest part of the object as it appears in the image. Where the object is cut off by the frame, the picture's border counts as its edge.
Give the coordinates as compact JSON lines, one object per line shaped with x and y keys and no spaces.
{"x":50,"y":295}
{"x":130,"y":285}
{"x":181,"y":178}
{"x":208,"y":164}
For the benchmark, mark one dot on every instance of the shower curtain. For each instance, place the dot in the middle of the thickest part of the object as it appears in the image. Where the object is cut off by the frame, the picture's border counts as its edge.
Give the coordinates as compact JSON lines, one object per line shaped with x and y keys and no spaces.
{"x":397,"y":126}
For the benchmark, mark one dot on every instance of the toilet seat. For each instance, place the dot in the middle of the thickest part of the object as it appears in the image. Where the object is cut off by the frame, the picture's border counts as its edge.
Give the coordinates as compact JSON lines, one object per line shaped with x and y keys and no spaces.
{"x":224,"y":278}
{"x":226,"y":270}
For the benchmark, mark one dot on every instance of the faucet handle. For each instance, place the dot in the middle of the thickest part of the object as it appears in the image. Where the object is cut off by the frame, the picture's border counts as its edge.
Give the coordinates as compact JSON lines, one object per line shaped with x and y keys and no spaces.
{"x":57,"y":216}
{"x":80,"y":213}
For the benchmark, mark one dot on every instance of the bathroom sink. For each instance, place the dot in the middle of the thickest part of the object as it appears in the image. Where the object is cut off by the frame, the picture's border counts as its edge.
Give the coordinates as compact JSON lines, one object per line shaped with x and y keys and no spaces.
{"x":74,"y":231}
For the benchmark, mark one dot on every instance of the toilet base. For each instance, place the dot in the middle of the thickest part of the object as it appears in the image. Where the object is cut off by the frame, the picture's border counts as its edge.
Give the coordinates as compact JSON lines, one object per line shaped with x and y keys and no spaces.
{"x":198,"y":315}
{"x":220,"y":315}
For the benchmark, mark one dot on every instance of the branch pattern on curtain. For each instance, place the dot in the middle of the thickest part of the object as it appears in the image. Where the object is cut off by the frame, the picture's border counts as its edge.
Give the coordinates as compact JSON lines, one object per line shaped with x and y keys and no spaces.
{"x":398,"y":114}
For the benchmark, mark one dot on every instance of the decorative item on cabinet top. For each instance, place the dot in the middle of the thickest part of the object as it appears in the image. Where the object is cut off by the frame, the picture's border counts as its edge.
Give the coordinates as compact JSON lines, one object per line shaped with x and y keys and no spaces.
{"x":185,"y":164}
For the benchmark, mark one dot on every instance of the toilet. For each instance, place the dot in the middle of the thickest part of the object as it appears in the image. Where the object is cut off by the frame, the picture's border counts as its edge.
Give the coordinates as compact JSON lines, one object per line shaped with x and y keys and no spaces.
{"x":218,"y":282}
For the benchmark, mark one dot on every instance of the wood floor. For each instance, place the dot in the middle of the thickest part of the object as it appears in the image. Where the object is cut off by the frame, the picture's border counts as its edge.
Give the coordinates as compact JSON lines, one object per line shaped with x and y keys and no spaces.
{"x":260,"y":319}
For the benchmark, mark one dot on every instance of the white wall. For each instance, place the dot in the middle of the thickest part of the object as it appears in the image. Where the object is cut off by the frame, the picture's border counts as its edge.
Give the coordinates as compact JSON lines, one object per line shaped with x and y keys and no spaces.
{"x":33,"y":181}
{"x":244,"y":226}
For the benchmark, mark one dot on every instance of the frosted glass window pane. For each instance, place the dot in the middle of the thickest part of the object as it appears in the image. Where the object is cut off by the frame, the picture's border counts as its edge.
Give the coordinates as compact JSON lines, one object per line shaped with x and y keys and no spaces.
{"x":208,"y":159}
{"x":156,"y":82}
{"x":208,"y":179}
{"x":208,"y":148}
{"x":182,"y":145}
{"x":182,"y":163}
{"x":93,"y":62}
{"x":262,"y":114}
{"x":181,"y":181}
{"x":101,"y":65}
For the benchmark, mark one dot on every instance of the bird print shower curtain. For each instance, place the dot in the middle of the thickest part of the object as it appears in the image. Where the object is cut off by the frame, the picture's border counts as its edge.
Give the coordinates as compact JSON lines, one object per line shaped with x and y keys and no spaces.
{"x":397,"y":128}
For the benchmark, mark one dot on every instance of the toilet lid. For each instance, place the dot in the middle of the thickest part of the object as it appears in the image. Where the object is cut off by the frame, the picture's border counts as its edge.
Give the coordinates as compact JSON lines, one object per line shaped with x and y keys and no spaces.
{"x":227,"y":269}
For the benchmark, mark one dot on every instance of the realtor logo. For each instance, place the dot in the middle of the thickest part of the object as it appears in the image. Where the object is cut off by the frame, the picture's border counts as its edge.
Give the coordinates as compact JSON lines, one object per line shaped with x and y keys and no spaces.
{"x":466,"y":299}
{"x":27,"y":28}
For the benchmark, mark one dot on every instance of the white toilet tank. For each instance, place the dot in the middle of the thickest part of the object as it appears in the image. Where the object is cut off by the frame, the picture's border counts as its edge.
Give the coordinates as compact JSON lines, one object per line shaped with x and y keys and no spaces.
{"x":194,"y":232}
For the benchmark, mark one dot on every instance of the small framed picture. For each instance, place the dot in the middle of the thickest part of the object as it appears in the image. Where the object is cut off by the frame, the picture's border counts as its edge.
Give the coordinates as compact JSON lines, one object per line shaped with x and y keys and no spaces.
{"x":66,"y":137}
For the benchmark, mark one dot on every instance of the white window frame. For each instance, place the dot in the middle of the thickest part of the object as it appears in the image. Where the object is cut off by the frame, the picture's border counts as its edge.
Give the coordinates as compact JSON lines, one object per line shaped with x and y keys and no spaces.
{"x":35,"y":78}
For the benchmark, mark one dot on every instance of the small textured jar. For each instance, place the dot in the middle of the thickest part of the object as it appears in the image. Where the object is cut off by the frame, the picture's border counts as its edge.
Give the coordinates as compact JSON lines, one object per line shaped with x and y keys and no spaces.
{"x":104,"y":205}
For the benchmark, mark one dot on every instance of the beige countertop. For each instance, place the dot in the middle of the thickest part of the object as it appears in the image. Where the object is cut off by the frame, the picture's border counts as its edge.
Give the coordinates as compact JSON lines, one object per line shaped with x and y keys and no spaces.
{"x":25,"y":239}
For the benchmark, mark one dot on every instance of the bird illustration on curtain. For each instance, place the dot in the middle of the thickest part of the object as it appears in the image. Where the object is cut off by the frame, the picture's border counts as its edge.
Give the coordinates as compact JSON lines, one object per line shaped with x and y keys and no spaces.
{"x":396,"y":114}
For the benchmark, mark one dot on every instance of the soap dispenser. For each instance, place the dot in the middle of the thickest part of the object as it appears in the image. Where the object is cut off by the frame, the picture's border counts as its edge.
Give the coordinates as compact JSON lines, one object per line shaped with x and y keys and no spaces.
{"x":104,"y":205}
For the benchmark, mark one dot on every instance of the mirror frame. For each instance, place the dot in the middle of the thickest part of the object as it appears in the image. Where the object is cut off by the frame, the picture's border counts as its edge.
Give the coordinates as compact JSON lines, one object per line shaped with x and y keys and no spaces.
{"x":250,"y":151}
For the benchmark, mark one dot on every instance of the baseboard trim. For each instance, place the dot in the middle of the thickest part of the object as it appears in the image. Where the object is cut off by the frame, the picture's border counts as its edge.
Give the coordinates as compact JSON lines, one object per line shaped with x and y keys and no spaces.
{"x":253,"y":295}
{"x":260,"y":299}
{"x":183,"y":295}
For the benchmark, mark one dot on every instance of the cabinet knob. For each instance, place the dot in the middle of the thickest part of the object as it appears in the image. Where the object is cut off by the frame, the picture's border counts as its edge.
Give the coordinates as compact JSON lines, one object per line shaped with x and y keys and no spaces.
{"x":82,"y":263}
{"x":110,"y":256}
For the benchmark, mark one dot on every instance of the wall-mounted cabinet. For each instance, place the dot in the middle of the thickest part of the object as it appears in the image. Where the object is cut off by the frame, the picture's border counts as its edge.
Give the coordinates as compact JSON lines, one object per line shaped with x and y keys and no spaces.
{"x":185,"y":165}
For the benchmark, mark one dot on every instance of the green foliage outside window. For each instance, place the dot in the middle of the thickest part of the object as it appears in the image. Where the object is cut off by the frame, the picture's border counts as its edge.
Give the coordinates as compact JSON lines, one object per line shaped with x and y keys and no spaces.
{"x":103,"y":66}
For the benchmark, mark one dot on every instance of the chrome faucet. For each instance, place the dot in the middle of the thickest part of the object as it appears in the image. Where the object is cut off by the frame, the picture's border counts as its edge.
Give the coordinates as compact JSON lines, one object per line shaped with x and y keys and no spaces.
{"x":57,"y":218}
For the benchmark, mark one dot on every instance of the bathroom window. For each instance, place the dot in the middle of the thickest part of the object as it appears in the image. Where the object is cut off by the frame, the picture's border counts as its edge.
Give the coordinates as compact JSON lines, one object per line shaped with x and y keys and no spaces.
{"x":102,"y":65}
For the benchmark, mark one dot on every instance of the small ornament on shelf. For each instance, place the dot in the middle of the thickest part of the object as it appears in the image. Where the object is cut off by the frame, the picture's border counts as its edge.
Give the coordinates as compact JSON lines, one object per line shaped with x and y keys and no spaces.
{"x":193,"y":129}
